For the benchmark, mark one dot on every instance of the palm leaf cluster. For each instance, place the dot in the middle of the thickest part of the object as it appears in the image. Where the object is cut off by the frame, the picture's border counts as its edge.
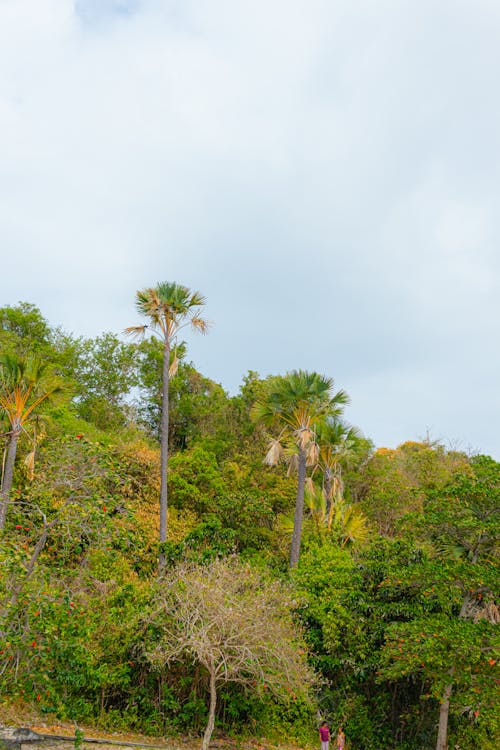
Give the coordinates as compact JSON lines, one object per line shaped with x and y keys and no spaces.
{"x":306,"y":412}
{"x":169,"y":307}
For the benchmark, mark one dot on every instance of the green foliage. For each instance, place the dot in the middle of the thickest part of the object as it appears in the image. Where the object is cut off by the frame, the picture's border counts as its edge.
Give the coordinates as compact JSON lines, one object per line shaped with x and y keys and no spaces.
{"x":195,"y":480}
{"x":395,"y":482}
{"x":105,"y":371}
{"x":388,"y":624}
{"x":23,"y":330}
{"x":79,"y":735}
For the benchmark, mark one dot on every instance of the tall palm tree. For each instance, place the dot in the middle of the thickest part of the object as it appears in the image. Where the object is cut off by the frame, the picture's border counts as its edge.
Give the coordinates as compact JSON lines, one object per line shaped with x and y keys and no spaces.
{"x":296,"y":403}
{"x":169,"y":307}
{"x":25,"y":384}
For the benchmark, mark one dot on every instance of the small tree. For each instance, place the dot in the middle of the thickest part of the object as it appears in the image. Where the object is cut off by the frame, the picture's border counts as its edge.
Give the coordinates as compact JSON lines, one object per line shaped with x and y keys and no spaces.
{"x":24,"y":386}
{"x":236,"y":625}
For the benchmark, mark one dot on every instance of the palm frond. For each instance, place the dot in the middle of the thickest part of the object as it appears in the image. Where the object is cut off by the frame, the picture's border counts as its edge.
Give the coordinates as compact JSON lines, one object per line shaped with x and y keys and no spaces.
{"x":197,"y":300}
{"x":310,"y":487}
{"x":200,"y":324}
{"x":274,"y":453}
{"x":348,"y":523}
{"x":135,"y":331}
{"x":354,"y":527}
{"x":174,"y":365}
{"x":293,"y":465}
{"x":312,"y":455}
{"x":337,"y":487}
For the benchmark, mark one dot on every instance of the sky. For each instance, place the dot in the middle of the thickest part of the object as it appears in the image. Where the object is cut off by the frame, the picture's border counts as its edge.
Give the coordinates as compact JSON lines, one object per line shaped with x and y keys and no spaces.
{"x":325,"y":172}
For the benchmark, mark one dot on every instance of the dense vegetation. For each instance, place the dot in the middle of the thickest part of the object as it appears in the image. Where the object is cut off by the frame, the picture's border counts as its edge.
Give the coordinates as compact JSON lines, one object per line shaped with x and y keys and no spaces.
{"x":393,"y":602}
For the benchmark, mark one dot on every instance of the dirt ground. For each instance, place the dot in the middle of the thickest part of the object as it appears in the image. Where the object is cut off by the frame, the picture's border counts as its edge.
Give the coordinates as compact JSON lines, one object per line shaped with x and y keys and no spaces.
{"x":27,"y":716}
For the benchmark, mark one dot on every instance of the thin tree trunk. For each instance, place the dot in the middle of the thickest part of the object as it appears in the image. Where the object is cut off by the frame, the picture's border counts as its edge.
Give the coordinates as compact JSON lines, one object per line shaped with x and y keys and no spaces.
{"x":38,"y":549}
{"x":299,"y":510}
{"x":39,"y":546}
{"x":211,"y":712}
{"x":164,"y":454}
{"x":8,"y":476}
{"x":444,"y":710}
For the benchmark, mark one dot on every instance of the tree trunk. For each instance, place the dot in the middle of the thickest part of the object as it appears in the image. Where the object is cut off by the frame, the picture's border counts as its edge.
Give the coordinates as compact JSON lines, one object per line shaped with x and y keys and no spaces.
{"x":39,"y":546}
{"x":164,"y":454}
{"x":299,"y":510}
{"x":327,"y":489}
{"x":8,"y":476}
{"x":211,"y":713}
{"x":444,"y":710}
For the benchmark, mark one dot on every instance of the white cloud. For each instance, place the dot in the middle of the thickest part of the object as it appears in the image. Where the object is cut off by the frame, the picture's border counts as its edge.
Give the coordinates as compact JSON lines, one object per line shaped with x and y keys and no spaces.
{"x":326,"y":173}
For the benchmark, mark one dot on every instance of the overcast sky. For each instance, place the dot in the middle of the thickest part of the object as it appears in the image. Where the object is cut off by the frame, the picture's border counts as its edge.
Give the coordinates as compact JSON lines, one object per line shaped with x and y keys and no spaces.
{"x":326,"y":172}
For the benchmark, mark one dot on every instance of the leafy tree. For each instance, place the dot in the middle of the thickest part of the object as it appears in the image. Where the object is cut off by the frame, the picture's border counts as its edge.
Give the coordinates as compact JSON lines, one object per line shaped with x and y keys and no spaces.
{"x":296,"y":404}
{"x":67,"y":528}
{"x":199,"y":409}
{"x":236,"y":624}
{"x":195,"y":480}
{"x":169,"y":307}
{"x":23,"y":329}
{"x":346,"y":612}
{"x":455,"y":645}
{"x":394,"y":482}
{"x":105,"y":371}
{"x":25,"y":384}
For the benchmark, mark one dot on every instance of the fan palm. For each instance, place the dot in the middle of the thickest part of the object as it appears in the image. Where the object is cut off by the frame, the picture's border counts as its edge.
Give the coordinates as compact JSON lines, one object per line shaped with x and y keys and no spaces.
{"x":24,"y":385}
{"x":338,"y":518}
{"x":295,"y":404}
{"x":169,"y":307}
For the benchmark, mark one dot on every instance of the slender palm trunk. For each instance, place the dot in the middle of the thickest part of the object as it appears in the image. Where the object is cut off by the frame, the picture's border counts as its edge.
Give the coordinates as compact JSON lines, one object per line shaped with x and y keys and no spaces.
{"x":164,"y":454}
{"x":299,"y":510}
{"x":8,"y":475}
{"x":327,"y":489}
{"x":211,"y":712}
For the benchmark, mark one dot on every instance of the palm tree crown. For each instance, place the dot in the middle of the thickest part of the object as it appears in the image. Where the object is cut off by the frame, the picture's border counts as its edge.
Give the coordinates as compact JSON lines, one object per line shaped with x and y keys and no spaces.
{"x":23,"y":386}
{"x":169,"y":307}
{"x":297,"y":402}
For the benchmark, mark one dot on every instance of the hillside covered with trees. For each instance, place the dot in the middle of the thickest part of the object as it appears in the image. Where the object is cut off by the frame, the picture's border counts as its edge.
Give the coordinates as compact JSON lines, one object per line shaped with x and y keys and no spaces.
{"x":173,"y":557}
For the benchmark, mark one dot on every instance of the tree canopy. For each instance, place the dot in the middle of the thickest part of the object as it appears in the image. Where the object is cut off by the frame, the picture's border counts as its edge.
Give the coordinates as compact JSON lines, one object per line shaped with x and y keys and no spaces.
{"x":392,"y":604}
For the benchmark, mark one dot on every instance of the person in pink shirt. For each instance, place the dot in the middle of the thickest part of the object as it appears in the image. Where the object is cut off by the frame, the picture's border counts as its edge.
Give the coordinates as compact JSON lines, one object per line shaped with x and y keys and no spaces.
{"x":324,"y":735}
